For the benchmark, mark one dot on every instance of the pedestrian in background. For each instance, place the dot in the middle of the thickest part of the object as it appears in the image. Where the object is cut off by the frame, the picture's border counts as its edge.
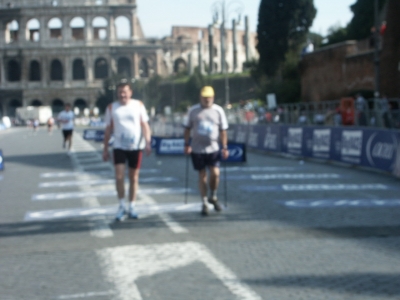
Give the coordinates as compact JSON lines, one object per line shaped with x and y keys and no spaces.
{"x":66,"y":119}
{"x":206,"y":125}
{"x":128,"y":120}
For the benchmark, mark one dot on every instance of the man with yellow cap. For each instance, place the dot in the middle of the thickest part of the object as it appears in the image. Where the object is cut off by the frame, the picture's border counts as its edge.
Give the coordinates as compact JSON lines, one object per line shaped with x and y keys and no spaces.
{"x":206,"y":125}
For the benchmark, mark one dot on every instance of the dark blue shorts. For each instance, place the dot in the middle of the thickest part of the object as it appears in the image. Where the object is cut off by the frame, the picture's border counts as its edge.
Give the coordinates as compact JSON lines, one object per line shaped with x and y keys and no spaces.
{"x":202,"y":160}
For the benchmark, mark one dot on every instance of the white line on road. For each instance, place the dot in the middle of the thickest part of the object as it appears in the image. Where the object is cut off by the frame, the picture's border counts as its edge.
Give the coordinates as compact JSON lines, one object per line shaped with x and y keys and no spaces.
{"x":295,"y":176}
{"x":104,"y":193}
{"x":102,"y":173}
{"x":92,"y":182}
{"x":146,"y":207}
{"x":333,"y":187}
{"x":125,"y":265}
{"x":86,"y":295}
{"x":256,"y":169}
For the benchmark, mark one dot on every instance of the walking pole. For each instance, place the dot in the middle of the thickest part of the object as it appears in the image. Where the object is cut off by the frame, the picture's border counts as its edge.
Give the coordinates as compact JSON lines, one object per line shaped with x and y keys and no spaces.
{"x":187,"y":178}
{"x":226,"y":190}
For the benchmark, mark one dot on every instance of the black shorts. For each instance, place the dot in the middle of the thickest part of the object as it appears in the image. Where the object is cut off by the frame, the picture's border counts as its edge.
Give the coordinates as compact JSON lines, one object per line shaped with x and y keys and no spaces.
{"x":202,"y":160}
{"x":67,"y":133}
{"x":134,"y":158}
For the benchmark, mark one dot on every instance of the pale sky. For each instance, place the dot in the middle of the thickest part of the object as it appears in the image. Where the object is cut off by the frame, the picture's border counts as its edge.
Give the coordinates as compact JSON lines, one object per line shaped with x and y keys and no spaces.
{"x":158,"y":16}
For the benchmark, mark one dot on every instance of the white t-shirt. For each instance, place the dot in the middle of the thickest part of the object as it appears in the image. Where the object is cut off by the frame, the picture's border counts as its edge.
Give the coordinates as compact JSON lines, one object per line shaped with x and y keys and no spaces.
{"x":126,"y":121}
{"x":66,"y":116}
{"x":206,"y":124}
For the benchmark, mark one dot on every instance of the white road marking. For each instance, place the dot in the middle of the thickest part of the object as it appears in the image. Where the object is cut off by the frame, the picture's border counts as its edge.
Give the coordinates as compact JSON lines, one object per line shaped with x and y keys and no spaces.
{"x":102,"y":173}
{"x":294,"y":176}
{"x":125,"y":265}
{"x":256,"y":169}
{"x":333,"y":187}
{"x":86,"y":295}
{"x":104,"y":193}
{"x":100,"y":228}
{"x":92,"y":182}
{"x":334,"y":203}
{"x":174,"y":226}
{"x":146,"y":207}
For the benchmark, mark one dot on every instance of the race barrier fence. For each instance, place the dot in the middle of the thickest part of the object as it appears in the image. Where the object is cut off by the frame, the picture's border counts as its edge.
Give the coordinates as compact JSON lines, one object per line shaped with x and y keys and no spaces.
{"x":1,"y":160}
{"x":368,"y":147}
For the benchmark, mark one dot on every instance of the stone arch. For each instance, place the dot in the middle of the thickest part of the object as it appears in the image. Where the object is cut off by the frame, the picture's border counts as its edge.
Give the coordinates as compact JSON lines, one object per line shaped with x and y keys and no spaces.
{"x":77,"y":25}
{"x":124,"y":66}
{"x":13,"y":70}
{"x":34,"y":71}
{"x":81,"y":104}
{"x":33,"y":30}
{"x":55,"y":26}
{"x":78,"y":69}
{"x":56,"y":70}
{"x":12,"y":107}
{"x":57,"y":105}
{"x":99,"y":25}
{"x":11,"y":34}
{"x":100,"y":68}
{"x":144,"y":68}
{"x":179,"y":65}
{"x":36,"y":102}
{"x":122,"y":28}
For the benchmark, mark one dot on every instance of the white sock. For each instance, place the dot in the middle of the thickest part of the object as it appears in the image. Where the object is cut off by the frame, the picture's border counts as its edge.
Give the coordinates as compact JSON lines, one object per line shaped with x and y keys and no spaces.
{"x":122,"y":202}
{"x":132,"y":205}
{"x":213,"y":194}
{"x":205,"y":200}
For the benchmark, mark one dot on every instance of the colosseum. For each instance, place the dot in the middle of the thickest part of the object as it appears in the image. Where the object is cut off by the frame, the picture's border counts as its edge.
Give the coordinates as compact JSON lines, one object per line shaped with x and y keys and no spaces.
{"x":59,"y":51}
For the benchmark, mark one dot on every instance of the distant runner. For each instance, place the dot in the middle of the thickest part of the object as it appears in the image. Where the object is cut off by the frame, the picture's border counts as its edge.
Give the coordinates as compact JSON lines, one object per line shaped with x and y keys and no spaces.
{"x":128,"y":119}
{"x":66,"y":119}
{"x":206,"y":124}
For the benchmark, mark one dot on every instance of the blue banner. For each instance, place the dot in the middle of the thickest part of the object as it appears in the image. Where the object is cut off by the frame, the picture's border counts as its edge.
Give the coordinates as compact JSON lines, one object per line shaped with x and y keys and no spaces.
{"x":1,"y":161}
{"x":237,"y":152}
{"x":93,"y":135}
{"x":170,"y":146}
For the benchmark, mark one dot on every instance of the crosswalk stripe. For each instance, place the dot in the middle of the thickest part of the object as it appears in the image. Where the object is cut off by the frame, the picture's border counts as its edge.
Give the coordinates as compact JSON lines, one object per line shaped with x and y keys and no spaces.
{"x":142,"y":209}
{"x":105,"y":193}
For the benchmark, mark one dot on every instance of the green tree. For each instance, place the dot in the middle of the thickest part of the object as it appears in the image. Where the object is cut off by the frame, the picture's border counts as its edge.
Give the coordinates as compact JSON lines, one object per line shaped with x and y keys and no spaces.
{"x":363,"y":19}
{"x":152,"y":94}
{"x":282,"y":25}
{"x":336,"y":34}
{"x":193,"y":86}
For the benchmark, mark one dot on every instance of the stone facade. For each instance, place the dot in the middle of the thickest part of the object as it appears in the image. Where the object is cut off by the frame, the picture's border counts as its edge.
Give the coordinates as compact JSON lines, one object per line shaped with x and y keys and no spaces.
{"x":53,"y":52}
{"x":337,"y":71}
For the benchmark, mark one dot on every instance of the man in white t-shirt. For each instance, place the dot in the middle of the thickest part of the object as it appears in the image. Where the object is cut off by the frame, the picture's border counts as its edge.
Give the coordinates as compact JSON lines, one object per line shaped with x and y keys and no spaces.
{"x":128,"y":120}
{"x":206,"y":124}
{"x":66,"y":118}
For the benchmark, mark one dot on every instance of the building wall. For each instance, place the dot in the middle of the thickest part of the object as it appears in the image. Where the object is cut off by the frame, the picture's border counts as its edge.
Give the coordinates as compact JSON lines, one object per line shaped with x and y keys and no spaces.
{"x":19,"y":46}
{"x":336,"y":71}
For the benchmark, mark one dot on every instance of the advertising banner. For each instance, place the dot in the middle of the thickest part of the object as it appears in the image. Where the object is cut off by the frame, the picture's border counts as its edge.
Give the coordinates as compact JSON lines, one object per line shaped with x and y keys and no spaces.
{"x":175,"y":146}
{"x":93,"y":135}
{"x":292,"y":140}
{"x":1,"y":160}
{"x":271,"y":138}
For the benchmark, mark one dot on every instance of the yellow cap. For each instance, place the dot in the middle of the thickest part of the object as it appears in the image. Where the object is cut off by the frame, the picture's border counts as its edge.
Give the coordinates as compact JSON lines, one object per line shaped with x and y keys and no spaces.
{"x":207,"y":92}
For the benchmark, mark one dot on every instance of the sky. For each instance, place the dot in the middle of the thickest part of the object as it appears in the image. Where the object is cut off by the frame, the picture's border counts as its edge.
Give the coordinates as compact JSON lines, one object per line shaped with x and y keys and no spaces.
{"x":158,"y":16}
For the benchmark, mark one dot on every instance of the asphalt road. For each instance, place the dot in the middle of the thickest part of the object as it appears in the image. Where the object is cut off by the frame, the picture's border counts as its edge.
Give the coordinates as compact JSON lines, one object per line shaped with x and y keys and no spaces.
{"x":291,"y":229}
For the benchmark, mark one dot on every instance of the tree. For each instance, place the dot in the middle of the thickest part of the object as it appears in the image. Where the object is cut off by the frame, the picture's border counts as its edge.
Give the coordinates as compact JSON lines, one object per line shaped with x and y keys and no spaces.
{"x":336,"y":34}
{"x":194,"y":85}
{"x":363,"y":19}
{"x":282,"y":24}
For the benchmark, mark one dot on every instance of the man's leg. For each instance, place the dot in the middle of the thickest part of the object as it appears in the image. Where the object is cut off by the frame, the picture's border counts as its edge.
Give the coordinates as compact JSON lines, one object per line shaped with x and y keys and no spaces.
{"x":203,"y":191}
{"x":133,"y":184}
{"x":214,"y":183}
{"x":69,"y":141}
{"x":120,"y":180}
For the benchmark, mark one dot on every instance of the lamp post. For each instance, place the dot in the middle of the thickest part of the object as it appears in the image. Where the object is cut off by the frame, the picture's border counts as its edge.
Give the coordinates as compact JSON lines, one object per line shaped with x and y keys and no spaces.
{"x":223,"y":8}
{"x":377,"y":49}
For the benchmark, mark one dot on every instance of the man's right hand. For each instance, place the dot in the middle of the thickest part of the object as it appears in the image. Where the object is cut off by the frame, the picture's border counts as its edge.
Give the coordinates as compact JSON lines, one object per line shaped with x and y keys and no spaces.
{"x":188,"y":150}
{"x":106,"y":156}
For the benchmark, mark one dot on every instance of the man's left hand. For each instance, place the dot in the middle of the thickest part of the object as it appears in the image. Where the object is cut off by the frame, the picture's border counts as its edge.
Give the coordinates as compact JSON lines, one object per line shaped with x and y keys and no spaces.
{"x":225,"y":153}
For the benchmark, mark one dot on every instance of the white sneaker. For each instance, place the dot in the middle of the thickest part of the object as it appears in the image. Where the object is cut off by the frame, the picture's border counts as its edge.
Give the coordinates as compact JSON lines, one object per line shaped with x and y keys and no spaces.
{"x":132,"y":214}
{"x":121,"y":214}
